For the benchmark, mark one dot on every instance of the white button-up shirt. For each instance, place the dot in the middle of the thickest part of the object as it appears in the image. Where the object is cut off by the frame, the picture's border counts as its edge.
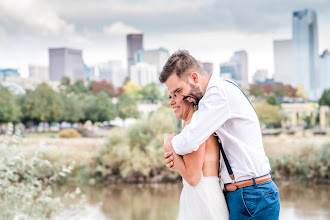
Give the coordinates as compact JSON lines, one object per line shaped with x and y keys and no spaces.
{"x":225,"y":110}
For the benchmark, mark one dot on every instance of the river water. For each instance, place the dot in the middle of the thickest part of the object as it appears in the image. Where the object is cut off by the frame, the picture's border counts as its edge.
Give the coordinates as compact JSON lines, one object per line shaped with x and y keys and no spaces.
{"x":160,"y":202}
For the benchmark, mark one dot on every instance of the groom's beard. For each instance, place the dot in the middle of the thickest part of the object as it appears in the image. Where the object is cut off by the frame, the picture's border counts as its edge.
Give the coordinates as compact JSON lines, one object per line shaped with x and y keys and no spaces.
{"x":195,"y":93}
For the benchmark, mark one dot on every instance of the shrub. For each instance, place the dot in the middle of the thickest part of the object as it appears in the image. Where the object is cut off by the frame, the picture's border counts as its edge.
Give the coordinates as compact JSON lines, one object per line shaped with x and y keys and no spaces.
{"x":69,"y":133}
{"x":25,"y":183}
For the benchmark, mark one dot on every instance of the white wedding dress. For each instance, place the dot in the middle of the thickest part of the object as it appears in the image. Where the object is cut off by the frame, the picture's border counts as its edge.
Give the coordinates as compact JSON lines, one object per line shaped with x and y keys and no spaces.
{"x":204,"y":201}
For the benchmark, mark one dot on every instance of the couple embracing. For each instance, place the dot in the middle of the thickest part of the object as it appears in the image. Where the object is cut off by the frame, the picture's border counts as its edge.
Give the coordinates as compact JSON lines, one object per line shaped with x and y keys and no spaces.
{"x":219,"y":153}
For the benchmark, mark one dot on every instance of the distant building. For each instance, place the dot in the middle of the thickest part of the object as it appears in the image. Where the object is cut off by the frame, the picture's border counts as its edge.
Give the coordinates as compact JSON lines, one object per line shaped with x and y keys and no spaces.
{"x":260,"y":76}
{"x":207,"y":67}
{"x":134,"y":44}
{"x":65,"y":62}
{"x":305,"y":51}
{"x":9,"y":73}
{"x":156,"y":57}
{"x":89,"y":72}
{"x":230,"y":69}
{"x":39,"y":72}
{"x":237,"y":67}
{"x":13,"y":88}
{"x":114,"y":72}
{"x":325,"y":71}
{"x":143,"y":74}
{"x":283,"y":62}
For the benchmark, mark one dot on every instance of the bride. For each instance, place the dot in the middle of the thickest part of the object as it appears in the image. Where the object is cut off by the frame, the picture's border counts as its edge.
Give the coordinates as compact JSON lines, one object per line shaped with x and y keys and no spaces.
{"x":201,"y":196}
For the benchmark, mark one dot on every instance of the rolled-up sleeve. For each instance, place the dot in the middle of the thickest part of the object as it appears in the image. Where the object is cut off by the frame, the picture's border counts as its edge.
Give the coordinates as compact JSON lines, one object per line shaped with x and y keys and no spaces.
{"x":213,"y":112}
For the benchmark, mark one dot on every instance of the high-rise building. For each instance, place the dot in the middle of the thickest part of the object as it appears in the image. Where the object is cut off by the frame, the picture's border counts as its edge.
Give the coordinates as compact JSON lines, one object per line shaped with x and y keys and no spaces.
{"x":305,"y":51}
{"x":283,"y":62}
{"x":156,"y":57}
{"x":134,"y":44}
{"x":237,"y":67}
{"x":112,"y":71}
{"x":39,"y":72}
{"x":207,"y":67}
{"x":260,"y":76}
{"x":65,"y":62}
{"x":241,"y":58}
{"x":325,"y":71}
{"x":143,"y":74}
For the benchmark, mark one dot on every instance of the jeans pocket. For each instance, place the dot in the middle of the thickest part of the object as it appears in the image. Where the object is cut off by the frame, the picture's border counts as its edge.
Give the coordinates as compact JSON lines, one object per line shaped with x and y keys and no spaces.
{"x":249,"y":200}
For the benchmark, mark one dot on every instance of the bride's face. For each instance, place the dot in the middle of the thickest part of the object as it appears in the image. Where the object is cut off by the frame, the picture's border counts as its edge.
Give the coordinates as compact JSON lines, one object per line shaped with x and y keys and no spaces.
{"x":181,"y":108}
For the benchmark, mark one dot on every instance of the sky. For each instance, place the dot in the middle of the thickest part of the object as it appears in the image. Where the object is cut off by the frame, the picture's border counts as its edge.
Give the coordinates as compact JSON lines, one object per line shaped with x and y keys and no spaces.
{"x":211,"y":30}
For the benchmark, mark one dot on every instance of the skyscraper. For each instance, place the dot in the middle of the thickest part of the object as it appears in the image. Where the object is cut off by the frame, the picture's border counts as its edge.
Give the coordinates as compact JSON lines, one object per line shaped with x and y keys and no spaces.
{"x":134,"y":44}
{"x":283,"y":61}
{"x":305,"y":51}
{"x":112,"y":71}
{"x":39,"y":72}
{"x":237,"y":67}
{"x":156,"y":57}
{"x":65,"y":62}
{"x":241,"y":58}
{"x":143,"y":74}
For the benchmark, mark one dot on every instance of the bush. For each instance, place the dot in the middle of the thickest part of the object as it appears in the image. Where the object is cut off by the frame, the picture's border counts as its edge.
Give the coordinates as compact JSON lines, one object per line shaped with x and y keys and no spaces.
{"x":25,"y":183}
{"x":69,"y":133}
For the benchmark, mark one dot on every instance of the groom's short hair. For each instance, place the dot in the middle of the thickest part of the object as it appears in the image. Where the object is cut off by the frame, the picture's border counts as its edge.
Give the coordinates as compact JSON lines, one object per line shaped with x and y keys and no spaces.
{"x":181,"y":63}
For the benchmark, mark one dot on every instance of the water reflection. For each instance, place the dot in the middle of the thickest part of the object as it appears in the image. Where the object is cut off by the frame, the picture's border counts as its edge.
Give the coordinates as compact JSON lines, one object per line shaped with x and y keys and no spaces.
{"x":160,"y":201}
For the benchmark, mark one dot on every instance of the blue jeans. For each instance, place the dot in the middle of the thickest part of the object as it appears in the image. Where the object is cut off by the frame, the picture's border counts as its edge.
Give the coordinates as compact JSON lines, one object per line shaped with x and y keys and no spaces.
{"x":261,"y":201}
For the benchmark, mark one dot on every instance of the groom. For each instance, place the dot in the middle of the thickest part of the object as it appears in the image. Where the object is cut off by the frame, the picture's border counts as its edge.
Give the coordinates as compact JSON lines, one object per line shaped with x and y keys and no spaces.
{"x":224,"y":109}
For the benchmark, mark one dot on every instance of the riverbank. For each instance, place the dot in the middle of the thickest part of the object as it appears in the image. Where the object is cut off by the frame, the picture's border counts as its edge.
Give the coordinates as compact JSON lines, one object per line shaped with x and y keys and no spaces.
{"x":111,"y":160}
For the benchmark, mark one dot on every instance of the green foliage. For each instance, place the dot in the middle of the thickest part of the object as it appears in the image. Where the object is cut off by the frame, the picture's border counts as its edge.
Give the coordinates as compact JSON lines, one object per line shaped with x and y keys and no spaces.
{"x":308,"y":164}
{"x":78,"y":87}
{"x":150,"y":92}
{"x":70,"y":109}
{"x":325,"y":98}
{"x":136,"y":154}
{"x":42,"y":104}
{"x":127,"y":107}
{"x":97,"y":108}
{"x":272,"y":100}
{"x":26,"y":180}
{"x":9,"y":111}
{"x":268,"y":114}
{"x":257,"y":90}
{"x":69,"y":133}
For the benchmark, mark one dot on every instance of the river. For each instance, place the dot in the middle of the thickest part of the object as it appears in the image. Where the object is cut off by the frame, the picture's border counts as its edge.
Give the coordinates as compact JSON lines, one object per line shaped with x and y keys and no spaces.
{"x":160,"y":202}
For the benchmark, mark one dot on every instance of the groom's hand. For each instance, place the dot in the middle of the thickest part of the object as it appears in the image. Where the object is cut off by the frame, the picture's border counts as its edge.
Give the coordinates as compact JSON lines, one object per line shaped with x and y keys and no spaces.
{"x":168,"y":156}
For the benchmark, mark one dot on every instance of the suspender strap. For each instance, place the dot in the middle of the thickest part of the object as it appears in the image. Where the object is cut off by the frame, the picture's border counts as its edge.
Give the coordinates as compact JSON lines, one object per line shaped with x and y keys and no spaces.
{"x":230,"y":171}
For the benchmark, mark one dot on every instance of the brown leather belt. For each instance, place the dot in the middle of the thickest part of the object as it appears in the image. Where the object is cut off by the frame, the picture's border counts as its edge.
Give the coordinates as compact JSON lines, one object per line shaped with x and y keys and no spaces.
{"x":245,"y":183}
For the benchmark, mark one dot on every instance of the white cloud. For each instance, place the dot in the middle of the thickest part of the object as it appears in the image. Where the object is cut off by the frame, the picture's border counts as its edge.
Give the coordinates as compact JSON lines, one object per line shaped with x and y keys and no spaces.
{"x":33,"y":17}
{"x":119,"y":29}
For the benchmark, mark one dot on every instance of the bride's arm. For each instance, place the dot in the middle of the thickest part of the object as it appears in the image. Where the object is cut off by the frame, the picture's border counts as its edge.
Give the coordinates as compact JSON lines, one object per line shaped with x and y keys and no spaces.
{"x":190,"y":165}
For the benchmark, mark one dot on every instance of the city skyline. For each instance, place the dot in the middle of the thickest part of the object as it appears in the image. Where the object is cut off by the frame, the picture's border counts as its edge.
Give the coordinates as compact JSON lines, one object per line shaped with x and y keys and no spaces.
{"x":210,"y":30}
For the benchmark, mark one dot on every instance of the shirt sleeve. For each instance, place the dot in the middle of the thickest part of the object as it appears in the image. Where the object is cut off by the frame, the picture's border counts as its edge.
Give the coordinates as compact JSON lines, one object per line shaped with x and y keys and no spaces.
{"x":213,"y":112}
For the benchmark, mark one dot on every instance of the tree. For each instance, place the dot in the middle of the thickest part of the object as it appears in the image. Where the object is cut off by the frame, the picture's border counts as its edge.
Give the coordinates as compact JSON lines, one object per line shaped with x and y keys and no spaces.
{"x":70,"y":109}
{"x":325,"y":98}
{"x":65,"y":85}
{"x":127,"y":107}
{"x":268,"y":114}
{"x":97,"y":108}
{"x":257,"y":90}
{"x":104,"y":86}
{"x":150,"y":92}
{"x":79,"y":87}
{"x":272,"y":100}
{"x":41,"y":105}
{"x":132,"y":90}
{"x":9,"y":111}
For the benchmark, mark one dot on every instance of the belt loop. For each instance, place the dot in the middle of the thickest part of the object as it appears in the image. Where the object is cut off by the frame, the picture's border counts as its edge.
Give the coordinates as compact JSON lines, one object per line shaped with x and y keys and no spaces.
{"x":254,"y":181}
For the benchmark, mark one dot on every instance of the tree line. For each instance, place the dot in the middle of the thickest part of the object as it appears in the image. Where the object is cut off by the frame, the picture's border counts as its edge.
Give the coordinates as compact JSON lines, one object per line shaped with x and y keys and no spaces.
{"x":75,"y":102}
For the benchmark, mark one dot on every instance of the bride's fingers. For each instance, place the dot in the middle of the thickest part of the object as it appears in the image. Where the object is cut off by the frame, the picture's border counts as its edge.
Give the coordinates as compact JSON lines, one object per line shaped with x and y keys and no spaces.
{"x":169,"y":165}
{"x":167,"y":154}
{"x":169,"y":159}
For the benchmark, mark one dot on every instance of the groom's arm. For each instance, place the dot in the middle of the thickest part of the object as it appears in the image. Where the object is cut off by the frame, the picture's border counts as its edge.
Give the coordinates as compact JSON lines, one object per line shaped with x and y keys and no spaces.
{"x":213,"y":112}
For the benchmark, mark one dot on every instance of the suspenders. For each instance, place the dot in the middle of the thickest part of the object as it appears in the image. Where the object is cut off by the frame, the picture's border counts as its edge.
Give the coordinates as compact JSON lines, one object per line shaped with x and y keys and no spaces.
{"x":230,"y":171}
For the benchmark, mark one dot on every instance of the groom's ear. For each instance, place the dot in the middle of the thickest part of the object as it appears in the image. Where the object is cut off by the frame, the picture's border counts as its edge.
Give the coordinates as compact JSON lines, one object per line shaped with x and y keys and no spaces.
{"x":194,"y":77}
